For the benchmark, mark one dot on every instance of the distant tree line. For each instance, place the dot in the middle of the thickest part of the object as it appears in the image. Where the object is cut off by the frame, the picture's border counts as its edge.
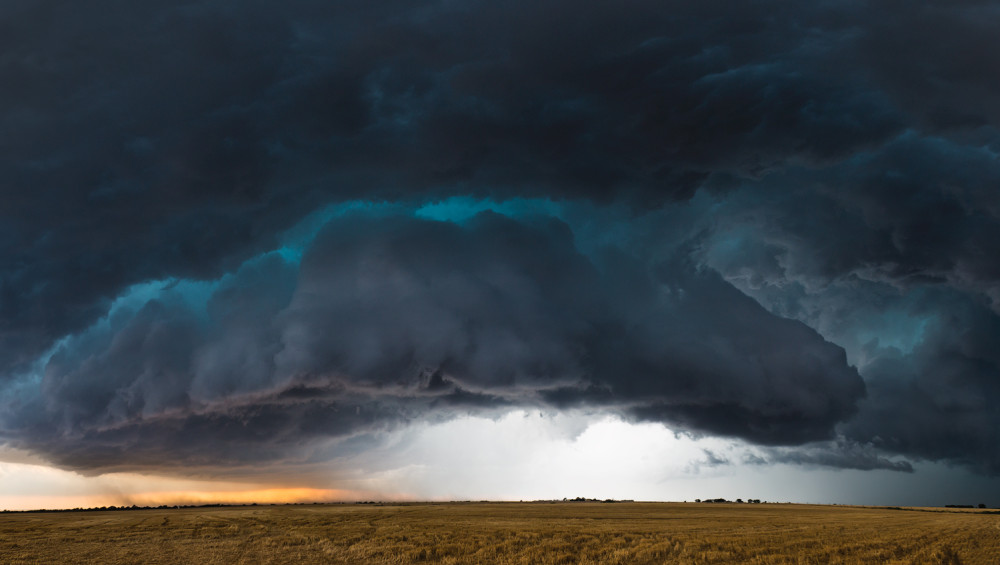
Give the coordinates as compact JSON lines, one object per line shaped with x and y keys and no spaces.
{"x":120,"y":508}
{"x":606,"y":500}
{"x":724,"y":501}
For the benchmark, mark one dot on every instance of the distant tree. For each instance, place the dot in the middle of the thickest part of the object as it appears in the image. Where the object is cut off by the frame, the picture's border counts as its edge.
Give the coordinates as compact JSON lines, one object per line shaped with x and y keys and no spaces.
{"x":981,"y":505}
{"x":697,"y":500}
{"x":739,"y":501}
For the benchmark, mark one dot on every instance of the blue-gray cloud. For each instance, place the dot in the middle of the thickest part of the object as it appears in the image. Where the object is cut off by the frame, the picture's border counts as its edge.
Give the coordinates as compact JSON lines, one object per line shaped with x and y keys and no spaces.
{"x":391,"y":318}
{"x":742,"y":191}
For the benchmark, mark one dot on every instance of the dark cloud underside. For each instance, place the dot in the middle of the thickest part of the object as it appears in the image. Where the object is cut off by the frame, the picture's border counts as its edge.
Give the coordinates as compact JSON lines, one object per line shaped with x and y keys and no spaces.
{"x":775,"y":221}
{"x":393,"y":318}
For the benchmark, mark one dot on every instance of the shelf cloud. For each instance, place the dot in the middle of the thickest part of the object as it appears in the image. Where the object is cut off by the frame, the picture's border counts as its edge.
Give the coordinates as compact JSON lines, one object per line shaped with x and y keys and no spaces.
{"x":240,"y":233}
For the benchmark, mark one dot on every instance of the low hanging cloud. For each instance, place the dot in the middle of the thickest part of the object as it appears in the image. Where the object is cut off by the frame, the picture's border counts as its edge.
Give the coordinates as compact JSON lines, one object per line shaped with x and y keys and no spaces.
{"x":393,"y":319}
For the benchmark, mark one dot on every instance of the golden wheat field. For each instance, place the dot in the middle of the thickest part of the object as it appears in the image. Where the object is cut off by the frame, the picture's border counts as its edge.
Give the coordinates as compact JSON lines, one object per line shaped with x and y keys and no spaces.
{"x":504,"y":533}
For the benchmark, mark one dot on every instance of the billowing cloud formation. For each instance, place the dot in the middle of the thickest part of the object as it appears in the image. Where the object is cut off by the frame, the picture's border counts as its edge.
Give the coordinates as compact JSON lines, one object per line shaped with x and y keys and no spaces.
{"x":393,"y":318}
{"x":211,"y":126}
{"x":774,"y":221}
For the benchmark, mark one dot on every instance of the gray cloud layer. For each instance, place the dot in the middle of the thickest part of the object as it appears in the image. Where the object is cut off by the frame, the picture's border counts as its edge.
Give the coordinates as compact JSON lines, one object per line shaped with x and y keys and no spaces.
{"x":393,"y":318}
{"x":735,"y":180}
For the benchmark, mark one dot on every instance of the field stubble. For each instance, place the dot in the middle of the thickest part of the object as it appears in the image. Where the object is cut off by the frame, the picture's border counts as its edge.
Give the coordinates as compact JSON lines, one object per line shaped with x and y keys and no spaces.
{"x":543,"y":533}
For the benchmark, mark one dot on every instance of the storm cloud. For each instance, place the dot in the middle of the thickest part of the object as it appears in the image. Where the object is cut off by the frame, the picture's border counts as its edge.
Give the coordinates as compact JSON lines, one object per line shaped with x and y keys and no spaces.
{"x":249,"y":232}
{"x":391,"y":319}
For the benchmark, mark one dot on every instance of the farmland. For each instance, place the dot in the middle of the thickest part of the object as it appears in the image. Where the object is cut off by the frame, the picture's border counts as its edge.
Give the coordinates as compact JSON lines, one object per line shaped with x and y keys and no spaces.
{"x":536,"y":532}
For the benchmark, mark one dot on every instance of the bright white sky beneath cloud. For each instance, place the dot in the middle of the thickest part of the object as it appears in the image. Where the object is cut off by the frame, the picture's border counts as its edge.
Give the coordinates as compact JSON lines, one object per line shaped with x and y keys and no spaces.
{"x":519,"y":456}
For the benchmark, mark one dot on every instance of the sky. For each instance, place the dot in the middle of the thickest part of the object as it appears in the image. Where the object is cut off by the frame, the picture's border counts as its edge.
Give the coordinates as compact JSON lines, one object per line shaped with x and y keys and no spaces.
{"x":435,"y":250}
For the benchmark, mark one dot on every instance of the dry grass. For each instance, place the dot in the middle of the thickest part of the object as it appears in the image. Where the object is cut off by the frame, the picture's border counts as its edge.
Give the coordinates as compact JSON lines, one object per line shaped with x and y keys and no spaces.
{"x":504,"y":533}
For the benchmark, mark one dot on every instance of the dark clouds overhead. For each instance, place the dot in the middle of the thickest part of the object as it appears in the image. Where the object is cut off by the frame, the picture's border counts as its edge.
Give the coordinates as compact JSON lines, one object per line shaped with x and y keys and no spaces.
{"x":729,"y":180}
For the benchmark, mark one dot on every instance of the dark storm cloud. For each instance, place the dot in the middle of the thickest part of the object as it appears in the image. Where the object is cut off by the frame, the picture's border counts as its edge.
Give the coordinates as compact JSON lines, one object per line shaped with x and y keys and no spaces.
{"x":939,"y":401}
{"x":706,"y":336}
{"x":841,"y":454}
{"x":893,"y":256}
{"x":392,"y":319}
{"x":825,"y":158}
{"x":920,"y":210}
{"x":174,"y":140}
{"x":932,"y":59}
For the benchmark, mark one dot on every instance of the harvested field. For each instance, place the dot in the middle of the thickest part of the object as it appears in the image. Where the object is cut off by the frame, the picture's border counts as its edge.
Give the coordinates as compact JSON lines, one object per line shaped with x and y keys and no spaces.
{"x":505,"y":533}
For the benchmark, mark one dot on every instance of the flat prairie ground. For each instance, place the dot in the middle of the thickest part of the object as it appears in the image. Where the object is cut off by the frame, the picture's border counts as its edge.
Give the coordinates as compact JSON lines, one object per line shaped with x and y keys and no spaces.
{"x":571,"y":532}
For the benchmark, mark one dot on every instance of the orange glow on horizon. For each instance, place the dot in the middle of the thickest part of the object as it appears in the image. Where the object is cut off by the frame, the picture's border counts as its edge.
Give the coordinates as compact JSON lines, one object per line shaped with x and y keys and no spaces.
{"x":40,"y":487}
{"x":176,"y":498}
{"x":259,"y":496}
